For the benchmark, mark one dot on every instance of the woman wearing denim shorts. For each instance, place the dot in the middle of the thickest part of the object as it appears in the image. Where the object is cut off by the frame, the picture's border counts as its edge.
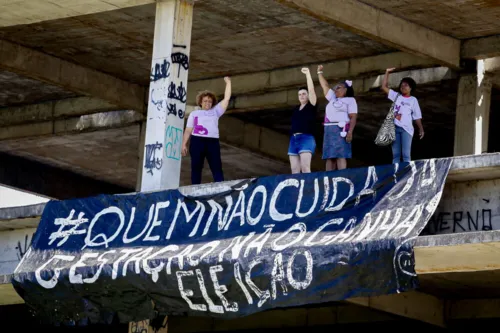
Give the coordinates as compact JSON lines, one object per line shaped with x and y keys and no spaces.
{"x":340,"y":120}
{"x":302,"y":142}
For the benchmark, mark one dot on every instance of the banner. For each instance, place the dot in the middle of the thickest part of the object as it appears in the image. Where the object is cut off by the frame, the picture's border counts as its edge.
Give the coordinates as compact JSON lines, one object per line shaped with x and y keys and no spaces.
{"x":270,"y":242}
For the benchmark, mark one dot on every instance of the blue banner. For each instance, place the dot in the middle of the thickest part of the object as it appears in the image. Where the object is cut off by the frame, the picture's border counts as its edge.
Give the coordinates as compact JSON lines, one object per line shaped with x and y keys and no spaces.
{"x":270,"y":242}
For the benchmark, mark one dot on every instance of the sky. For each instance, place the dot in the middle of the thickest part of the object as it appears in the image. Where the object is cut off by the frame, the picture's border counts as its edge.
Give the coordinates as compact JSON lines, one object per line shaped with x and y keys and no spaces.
{"x":14,"y":198}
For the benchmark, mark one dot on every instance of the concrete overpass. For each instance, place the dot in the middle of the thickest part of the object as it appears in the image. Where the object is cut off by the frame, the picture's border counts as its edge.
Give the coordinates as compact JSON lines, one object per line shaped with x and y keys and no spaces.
{"x":69,"y":71}
{"x":74,"y":81}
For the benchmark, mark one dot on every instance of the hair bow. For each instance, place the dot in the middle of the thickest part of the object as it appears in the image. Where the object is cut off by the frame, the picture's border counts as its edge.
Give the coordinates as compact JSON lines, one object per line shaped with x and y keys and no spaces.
{"x":349,"y":83}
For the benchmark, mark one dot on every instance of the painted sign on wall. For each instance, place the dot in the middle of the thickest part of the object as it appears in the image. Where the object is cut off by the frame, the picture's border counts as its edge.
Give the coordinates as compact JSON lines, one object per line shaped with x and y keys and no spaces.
{"x":271,"y":242}
{"x":467,"y":207}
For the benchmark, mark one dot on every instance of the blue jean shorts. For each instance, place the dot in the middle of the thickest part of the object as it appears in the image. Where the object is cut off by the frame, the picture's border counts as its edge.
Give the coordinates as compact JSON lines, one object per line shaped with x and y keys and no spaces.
{"x":301,"y":143}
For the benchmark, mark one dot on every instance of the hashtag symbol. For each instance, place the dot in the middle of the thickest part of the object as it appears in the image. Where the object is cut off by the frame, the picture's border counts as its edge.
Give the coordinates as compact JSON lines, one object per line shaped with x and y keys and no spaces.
{"x":68,"y":222}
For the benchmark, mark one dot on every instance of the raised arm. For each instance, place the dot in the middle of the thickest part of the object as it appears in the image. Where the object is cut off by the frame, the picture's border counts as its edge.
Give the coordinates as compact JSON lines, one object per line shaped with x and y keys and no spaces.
{"x":385,"y":83}
{"x":322,"y":81}
{"x":310,"y":86}
{"x":227,"y":94}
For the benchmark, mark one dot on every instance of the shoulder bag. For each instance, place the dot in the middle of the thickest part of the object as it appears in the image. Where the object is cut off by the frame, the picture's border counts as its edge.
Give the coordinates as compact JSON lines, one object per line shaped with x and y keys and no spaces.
{"x":387,"y":132}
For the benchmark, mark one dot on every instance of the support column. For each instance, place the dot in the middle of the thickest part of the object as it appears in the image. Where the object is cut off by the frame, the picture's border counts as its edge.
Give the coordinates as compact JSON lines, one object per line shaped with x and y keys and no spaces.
{"x":473,"y":113}
{"x":167,"y":95}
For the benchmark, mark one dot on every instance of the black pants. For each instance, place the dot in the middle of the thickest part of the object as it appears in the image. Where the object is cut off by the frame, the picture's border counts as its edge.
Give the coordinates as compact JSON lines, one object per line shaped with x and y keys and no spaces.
{"x":199,"y":148}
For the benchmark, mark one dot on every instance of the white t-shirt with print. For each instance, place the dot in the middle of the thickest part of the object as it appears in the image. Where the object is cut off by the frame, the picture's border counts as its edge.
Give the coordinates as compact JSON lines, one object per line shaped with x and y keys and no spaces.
{"x":406,"y":109}
{"x":338,"y":109}
{"x":205,"y":123}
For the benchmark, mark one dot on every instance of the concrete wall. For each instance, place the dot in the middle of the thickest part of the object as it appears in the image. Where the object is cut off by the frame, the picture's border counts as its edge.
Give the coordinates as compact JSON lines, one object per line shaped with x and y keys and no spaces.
{"x":467,"y":207}
{"x":13,"y":245}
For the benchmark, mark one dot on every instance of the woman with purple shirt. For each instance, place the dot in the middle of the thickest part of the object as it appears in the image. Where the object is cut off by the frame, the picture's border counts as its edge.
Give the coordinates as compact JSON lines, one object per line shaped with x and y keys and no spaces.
{"x":202,"y":131}
{"x":340,"y":120}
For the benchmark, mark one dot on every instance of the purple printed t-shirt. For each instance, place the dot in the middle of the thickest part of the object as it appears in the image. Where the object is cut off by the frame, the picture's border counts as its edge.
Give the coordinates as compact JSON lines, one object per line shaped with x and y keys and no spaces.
{"x":205,"y":123}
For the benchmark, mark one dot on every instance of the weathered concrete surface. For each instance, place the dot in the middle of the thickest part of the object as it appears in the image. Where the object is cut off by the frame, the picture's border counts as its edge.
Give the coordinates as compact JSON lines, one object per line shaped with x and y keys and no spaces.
{"x":20,"y":217}
{"x":468,"y":206}
{"x":383,"y":27}
{"x":284,"y":319}
{"x":52,"y":182}
{"x":86,"y":123}
{"x":242,"y":37}
{"x":281,"y":97}
{"x":52,"y":110}
{"x":279,"y":79}
{"x":81,"y":80}
{"x":110,"y":155}
{"x":13,"y":246}
{"x":472,"y":115}
{"x":19,"y":90}
{"x":460,"y":19}
{"x":17,"y":12}
{"x":481,"y":48}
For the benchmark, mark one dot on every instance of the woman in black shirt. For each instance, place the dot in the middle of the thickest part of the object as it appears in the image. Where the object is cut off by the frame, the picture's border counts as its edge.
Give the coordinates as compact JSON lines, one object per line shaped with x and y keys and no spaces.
{"x":302,"y":143}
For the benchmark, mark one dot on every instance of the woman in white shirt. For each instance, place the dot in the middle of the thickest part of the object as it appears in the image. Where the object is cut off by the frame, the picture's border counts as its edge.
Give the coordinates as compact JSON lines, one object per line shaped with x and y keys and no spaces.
{"x":406,"y":110}
{"x":340,"y":120}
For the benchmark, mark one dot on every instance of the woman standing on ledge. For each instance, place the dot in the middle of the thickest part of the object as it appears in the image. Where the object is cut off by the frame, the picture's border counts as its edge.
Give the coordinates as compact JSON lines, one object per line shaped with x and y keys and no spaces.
{"x":202,"y":130}
{"x":340,"y":120}
{"x":406,"y":109}
{"x":302,"y":142}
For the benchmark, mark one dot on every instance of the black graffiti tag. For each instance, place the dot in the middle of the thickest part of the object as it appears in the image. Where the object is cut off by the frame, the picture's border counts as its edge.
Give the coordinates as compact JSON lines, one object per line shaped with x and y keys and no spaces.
{"x":22,"y":248}
{"x":172,"y":109}
{"x":182,"y":59}
{"x":151,"y":161}
{"x":160,"y":71}
{"x":179,"y":93}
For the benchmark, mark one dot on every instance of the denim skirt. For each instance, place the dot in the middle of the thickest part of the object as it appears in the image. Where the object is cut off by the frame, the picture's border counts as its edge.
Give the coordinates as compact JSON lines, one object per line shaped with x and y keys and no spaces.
{"x":335,"y":146}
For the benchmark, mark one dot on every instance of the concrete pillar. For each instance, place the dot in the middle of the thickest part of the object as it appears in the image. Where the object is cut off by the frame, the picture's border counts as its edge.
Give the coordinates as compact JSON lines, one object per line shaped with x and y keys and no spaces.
{"x":473,"y":113}
{"x":167,"y":95}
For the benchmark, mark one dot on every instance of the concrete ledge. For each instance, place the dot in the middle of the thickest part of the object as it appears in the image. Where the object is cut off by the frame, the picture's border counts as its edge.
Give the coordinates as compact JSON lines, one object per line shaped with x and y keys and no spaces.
{"x":474,"y":167}
{"x":463,"y":168}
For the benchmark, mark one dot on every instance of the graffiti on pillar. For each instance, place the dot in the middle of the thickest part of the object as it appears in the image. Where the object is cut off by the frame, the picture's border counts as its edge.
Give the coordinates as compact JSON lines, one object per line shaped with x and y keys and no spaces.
{"x":160,"y":71}
{"x":151,"y":161}
{"x":182,"y":60}
{"x":172,"y":109}
{"x":23,"y":246}
{"x":173,"y":143}
{"x":177,"y":92}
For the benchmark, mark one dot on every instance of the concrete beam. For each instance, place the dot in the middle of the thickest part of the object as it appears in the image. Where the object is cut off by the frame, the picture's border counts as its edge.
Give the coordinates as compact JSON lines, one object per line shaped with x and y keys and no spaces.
{"x":412,"y":305}
{"x":288,"y":98}
{"x":282,"y":319}
{"x":46,"y":111}
{"x":491,"y":65}
{"x":473,"y":309}
{"x":260,"y":140}
{"x":278,"y":79}
{"x":31,"y":11}
{"x":495,"y":81}
{"x":72,"y":77}
{"x":86,"y":123}
{"x":49,"y":181}
{"x":459,"y":252}
{"x":383,"y":27}
{"x":481,"y":48}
